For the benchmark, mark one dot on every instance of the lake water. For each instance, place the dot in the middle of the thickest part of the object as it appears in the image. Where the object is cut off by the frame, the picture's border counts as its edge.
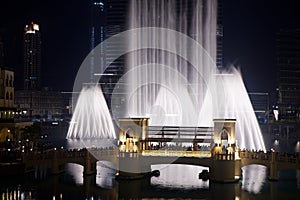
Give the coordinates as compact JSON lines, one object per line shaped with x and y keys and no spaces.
{"x":174,"y":182}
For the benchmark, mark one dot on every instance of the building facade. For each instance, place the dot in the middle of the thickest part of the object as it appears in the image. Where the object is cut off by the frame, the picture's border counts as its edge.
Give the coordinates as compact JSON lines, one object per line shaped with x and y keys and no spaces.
{"x":32,"y":57}
{"x":116,"y":19}
{"x":261,"y":106}
{"x":12,"y":120}
{"x":97,"y":34}
{"x":288,"y":61}
{"x":43,"y":104}
{"x":219,"y":55}
{"x":6,"y":94}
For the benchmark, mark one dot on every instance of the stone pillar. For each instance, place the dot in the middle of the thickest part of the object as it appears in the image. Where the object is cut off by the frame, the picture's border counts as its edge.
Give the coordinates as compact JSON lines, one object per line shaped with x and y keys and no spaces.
{"x":90,"y":166}
{"x":238,"y":169}
{"x":56,"y":166}
{"x":273,"y":173}
{"x":133,"y":166}
{"x":89,"y":183}
{"x":223,"y":171}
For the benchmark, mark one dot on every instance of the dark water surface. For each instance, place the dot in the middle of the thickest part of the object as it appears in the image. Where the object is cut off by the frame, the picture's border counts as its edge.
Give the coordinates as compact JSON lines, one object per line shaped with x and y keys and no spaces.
{"x":174,"y":182}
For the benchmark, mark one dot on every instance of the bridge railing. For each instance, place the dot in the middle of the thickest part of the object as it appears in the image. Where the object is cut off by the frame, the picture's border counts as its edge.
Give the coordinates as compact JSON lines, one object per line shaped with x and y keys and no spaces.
{"x":65,"y":154}
{"x":282,"y":158}
{"x":35,"y":155}
{"x":224,"y":156}
{"x":255,"y":155}
{"x":104,"y":152}
{"x":202,"y":154}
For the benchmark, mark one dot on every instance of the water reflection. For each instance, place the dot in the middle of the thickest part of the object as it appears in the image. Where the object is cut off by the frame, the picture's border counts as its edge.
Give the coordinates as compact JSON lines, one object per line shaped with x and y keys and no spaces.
{"x":254,"y":177}
{"x":298,"y":179}
{"x":75,"y":172}
{"x":297,"y":148}
{"x":176,"y":181}
{"x":179,"y":176}
{"x":105,"y":177}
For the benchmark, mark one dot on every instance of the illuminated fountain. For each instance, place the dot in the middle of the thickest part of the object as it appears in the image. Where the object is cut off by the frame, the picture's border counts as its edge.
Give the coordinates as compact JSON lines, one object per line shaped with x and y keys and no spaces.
{"x":91,"y":118}
{"x":200,"y":92}
{"x":237,"y":105}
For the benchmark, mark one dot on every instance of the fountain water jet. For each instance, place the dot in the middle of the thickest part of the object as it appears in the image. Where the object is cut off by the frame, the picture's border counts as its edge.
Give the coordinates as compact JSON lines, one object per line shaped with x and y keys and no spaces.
{"x":237,"y":105}
{"x":197,"y":93}
{"x":91,"y":118}
{"x":168,"y":14}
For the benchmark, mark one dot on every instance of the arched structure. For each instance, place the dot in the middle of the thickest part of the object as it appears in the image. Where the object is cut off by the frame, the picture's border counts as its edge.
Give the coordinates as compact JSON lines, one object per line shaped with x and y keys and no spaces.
{"x":133,"y":160}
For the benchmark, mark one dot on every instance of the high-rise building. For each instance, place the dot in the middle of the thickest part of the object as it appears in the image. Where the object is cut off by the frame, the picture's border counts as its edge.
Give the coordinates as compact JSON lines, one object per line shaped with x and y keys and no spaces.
{"x":288,"y":61}
{"x":37,"y":101}
{"x":261,"y":105}
{"x":219,"y":59}
{"x":108,"y":18}
{"x":44,"y":104}
{"x":32,"y":57}
{"x":97,"y":34}
{"x":116,"y":18}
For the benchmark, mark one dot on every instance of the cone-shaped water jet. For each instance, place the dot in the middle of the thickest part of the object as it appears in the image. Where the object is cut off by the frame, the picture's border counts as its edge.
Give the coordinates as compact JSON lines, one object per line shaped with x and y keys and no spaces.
{"x":91,"y":118}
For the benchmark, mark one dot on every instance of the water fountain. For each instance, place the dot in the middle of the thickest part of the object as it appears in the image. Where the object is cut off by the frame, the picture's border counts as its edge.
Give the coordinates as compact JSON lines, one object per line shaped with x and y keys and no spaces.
{"x":200,"y":91}
{"x":238,"y":105}
{"x":91,"y":118}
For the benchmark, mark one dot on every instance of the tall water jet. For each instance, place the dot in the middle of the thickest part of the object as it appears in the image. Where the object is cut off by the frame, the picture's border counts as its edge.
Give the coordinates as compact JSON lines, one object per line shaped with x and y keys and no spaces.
{"x":206,"y":92}
{"x":184,"y":17}
{"x":91,"y":118}
{"x":237,"y":105}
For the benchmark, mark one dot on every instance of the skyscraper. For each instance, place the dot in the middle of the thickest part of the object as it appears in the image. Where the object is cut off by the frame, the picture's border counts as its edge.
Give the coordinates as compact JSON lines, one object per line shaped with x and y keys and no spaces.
{"x":115,"y":23}
{"x":32,"y":57}
{"x":219,"y":59}
{"x":288,"y":61}
{"x":97,"y":34}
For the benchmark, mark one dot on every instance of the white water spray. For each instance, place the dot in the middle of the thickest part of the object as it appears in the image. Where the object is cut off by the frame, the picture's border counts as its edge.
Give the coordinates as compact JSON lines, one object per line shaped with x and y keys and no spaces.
{"x":91,"y":118}
{"x":190,"y":103}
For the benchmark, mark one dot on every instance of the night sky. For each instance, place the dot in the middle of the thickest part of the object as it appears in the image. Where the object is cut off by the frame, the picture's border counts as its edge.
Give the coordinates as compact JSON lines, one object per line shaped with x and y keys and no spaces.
{"x":250,"y":28}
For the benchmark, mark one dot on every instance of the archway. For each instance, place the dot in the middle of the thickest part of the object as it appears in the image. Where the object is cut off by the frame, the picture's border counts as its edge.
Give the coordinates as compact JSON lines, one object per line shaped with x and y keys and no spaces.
{"x":224,"y":134}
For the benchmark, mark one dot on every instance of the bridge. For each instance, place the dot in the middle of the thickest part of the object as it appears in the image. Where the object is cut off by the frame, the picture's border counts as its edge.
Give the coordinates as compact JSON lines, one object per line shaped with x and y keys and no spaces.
{"x":141,"y":146}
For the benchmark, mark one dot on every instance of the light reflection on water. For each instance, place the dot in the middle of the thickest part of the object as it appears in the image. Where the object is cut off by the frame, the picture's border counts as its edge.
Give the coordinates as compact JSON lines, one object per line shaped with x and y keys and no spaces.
{"x":179,"y":176}
{"x":75,"y":171}
{"x":175,"y":181}
{"x":254,"y":177}
{"x":105,"y":177}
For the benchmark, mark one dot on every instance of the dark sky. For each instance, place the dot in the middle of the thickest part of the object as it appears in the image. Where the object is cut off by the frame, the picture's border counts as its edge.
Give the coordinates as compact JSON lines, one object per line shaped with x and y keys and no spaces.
{"x":250,"y":28}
